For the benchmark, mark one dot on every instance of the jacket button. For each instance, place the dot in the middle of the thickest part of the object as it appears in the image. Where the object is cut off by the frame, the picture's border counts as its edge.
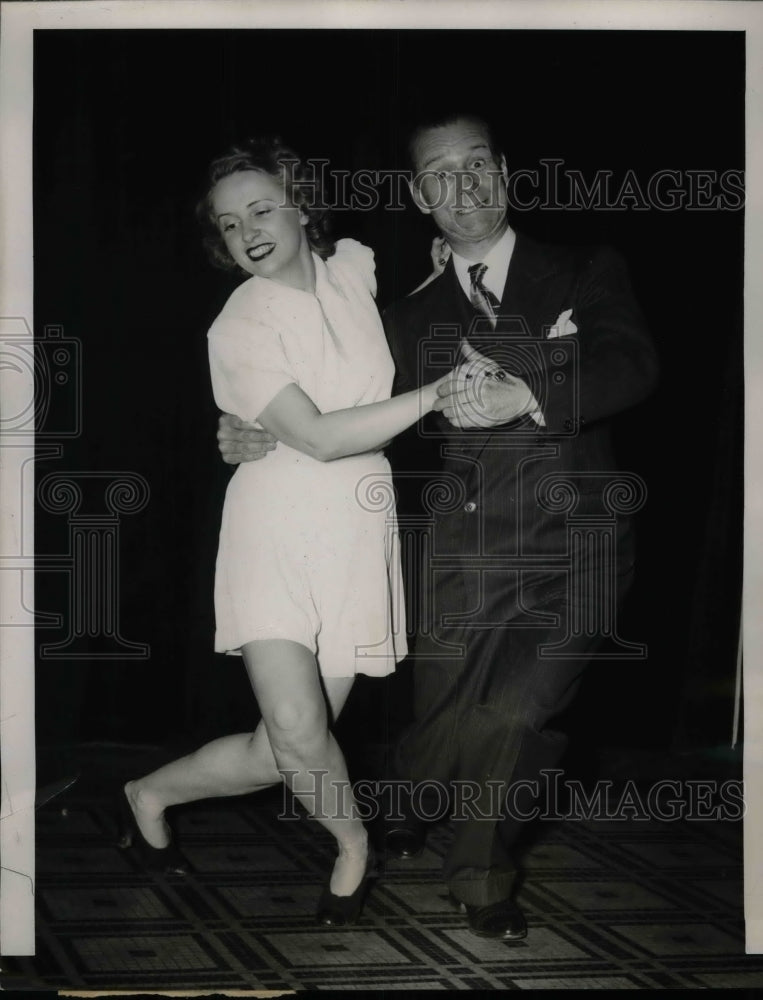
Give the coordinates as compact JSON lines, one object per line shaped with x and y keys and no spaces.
{"x":470,"y":507}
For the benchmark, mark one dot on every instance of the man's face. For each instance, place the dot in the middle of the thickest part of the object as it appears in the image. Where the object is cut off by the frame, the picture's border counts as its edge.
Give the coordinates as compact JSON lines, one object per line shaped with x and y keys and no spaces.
{"x":461,"y":184}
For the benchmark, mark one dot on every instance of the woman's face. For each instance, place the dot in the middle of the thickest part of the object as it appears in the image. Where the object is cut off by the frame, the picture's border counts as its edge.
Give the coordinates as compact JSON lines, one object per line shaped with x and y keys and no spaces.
{"x":262,"y":229}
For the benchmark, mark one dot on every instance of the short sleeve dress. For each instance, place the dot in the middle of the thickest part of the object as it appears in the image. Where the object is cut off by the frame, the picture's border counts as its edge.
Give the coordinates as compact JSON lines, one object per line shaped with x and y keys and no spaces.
{"x":309,"y":550}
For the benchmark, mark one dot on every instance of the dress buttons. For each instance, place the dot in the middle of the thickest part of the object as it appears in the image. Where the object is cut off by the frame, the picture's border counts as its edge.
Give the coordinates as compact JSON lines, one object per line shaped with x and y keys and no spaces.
{"x":470,"y":507}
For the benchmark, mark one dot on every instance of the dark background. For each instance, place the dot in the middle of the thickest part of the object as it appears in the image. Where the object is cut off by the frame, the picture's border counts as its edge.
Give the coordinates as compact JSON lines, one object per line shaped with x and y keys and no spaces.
{"x":125,"y":125}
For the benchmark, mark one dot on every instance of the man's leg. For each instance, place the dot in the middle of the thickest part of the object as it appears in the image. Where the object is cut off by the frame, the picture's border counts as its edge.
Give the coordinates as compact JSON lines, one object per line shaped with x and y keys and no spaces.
{"x":507,"y":698}
{"x":423,"y":755}
{"x":483,"y":722}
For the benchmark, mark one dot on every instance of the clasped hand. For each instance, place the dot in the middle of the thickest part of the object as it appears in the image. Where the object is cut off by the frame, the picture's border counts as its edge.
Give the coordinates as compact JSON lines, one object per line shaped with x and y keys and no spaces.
{"x":479,"y":393}
{"x":240,"y":441}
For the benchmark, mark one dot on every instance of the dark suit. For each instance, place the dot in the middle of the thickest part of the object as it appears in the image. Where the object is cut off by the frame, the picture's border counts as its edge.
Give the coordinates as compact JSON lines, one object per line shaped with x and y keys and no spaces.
{"x":524,"y":524}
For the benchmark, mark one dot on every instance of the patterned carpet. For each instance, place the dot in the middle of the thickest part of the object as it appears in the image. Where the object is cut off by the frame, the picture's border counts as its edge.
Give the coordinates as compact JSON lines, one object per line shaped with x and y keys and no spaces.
{"x":610,"y":905}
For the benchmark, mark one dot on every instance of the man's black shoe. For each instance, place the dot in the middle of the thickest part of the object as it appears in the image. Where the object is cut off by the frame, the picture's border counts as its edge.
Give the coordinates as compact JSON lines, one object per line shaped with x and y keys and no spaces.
{"x":404,"y":842}
{"x":502,"y":920}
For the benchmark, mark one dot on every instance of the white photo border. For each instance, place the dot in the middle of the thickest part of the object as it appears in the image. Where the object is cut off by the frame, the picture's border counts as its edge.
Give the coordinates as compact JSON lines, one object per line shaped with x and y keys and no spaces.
{"x":18,"y":21}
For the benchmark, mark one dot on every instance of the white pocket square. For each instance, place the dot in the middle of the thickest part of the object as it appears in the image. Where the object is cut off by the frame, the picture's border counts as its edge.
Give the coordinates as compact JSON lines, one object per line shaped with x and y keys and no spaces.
{"x":564,"y":326}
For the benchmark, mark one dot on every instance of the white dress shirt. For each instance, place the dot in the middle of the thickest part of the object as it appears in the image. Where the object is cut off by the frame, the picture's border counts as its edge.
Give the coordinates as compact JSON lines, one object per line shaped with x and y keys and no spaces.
{"x":496,"y":260}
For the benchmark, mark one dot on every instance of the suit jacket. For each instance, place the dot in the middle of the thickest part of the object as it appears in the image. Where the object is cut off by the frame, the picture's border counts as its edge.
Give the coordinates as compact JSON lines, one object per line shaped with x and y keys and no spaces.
{"x":501,"y":502}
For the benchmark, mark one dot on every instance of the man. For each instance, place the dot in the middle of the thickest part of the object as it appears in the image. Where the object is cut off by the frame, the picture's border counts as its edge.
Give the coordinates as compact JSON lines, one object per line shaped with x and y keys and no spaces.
{"x":554,"y":344}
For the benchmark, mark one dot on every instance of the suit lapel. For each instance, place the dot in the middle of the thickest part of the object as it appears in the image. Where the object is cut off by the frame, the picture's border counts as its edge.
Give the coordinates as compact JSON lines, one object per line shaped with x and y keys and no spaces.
{"x":524,"y":305}
{"x":532,"y":297}
{"x":528,"y":283}
{"x":531,"y":287}
{"x":447,"y":315}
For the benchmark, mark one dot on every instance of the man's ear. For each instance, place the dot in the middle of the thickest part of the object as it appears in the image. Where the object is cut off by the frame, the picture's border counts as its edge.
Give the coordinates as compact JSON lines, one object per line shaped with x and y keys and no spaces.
{"x":417,"y":199}
{"x":504,"y":168}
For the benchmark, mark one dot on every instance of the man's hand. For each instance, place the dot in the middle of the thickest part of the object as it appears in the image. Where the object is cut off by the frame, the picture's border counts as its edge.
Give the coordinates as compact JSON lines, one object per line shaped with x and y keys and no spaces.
{"x":481,"y":394}
{"x":239,"y":441}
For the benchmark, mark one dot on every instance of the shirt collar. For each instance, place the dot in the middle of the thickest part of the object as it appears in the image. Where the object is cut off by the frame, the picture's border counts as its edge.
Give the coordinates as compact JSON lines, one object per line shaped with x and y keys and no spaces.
{"x":497,"y":260}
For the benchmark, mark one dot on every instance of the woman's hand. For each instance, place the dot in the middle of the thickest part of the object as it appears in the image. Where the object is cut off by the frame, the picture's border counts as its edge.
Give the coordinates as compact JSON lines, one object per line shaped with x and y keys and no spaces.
{"x":440,"y":254}
{"x":429,"y":392}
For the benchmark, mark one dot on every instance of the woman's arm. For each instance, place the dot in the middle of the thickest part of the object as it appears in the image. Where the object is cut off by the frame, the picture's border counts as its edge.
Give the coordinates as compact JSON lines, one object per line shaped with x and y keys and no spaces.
{"x":293,"y":418}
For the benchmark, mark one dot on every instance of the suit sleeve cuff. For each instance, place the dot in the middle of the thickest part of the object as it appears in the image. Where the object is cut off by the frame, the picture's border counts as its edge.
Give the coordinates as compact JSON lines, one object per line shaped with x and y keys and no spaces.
{"x":536,"y":413}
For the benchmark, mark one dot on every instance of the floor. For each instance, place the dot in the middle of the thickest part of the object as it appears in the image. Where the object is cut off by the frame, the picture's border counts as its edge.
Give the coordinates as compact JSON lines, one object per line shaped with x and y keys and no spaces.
{"x":613,"y":904}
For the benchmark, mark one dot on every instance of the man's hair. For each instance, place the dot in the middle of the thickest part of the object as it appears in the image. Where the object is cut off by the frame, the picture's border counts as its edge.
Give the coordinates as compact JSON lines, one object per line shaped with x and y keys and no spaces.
{"x":432,"y":121}
{"x":266,"y":155}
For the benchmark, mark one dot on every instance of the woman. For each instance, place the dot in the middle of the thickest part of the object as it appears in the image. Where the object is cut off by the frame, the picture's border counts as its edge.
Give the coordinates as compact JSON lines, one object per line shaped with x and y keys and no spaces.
{"x":308,"y":582}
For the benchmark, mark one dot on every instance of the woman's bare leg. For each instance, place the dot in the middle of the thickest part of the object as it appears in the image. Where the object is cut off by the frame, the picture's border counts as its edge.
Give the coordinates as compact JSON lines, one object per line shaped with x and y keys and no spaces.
{"x":287,"y":685}
{"x":232,"y":765}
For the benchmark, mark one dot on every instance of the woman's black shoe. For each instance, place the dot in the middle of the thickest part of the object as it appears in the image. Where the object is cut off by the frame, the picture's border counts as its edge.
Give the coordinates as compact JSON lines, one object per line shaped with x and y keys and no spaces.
{"x":339,"y":911}
{"x":167,"y":860}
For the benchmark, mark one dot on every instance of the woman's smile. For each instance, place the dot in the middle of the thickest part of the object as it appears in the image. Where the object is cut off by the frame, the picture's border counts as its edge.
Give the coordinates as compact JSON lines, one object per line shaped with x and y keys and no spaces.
{"x":260,"y":251}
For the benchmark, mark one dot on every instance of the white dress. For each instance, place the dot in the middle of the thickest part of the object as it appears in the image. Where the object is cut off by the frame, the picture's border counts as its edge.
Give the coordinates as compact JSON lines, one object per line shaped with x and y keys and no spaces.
{"x":309,"y":550}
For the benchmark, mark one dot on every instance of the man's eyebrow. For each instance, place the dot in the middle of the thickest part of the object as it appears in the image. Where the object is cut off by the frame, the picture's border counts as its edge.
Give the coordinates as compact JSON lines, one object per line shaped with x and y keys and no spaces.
{"x":434,"y":159}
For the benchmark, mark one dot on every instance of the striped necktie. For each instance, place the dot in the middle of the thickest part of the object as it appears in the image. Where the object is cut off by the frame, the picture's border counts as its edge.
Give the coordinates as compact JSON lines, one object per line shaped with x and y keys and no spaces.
{"x":482,"y":298}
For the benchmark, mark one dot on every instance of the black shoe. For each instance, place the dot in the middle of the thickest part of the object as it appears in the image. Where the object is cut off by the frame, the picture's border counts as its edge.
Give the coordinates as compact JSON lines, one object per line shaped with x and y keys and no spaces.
{"x":339,"y":911}
{"x":167,"y":860}
{"x":405,"y":841}
{"x":502,"y":920}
